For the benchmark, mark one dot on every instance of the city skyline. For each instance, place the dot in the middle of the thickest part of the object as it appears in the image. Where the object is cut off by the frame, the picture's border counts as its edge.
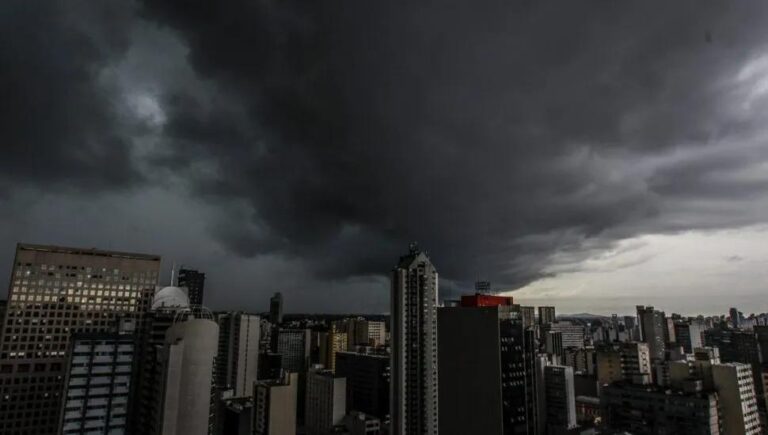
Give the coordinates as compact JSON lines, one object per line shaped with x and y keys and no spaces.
{"x":89,"y":345}
{"x":571,"y":303}
{"x":568,"y":151}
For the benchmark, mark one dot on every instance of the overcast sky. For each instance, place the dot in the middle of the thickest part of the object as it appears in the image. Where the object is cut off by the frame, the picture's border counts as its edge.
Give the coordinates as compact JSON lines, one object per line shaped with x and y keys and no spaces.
{"x":612,"y":152}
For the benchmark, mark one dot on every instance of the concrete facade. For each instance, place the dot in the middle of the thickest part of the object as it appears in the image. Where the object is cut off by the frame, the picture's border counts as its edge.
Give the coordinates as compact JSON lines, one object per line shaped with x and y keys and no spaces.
{"x":274,"y":406}
{"x":326,"y":401}
{"x":190,"y":351}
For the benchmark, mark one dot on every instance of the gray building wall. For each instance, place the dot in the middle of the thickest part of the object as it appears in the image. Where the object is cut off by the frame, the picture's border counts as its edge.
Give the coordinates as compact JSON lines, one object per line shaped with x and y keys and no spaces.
{"x":652,"y":326}
{"x":470,"y":370}
{"x":326,"y":401}
{"x":274,"y":406}
{"x":238,"y":353}
{"x":648,"y":410}
{"x":191,"y":347}
{"x":367,"y":382}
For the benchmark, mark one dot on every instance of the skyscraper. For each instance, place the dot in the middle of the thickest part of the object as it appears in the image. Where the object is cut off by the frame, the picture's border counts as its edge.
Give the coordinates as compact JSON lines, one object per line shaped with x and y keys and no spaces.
{"x":367,"y":382}
{"x":529,"y":316}
{"x":147,"y":413}
{"x":368,"y":333}
{"x":194,"y":282}
{"x":276,"y":309}
{"x":487,"y":375}
{"x":54,"y":292}
{"x":553,"y":342}
{"x":98,"y":382}
{"x":688,"y":335}
{"x":188,"y":358}
{"x":734,"y":385}
{"x":630,"y":362}
{"x":560,"y":398}
{"x":274,"y":405}
{"x":294,"y":346}
{"x":651,"y":410}
{"x":735,"y":318}
{"x":330,"y":343}
{"x":326,"y":400}
{"x":414,"y":386}
{"x":573,"y":334}
{"x":237,"y":360}
{"x":546,"y":315}
{"x":652,"y":327}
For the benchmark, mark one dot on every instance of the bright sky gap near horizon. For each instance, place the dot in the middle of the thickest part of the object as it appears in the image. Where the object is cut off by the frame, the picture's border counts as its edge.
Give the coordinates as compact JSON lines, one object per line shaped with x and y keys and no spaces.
{"x":586,"y":156}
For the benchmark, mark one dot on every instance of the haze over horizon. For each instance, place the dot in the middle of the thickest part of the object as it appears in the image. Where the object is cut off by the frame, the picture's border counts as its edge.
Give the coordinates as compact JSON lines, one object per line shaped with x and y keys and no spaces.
{"x":586,"y":153}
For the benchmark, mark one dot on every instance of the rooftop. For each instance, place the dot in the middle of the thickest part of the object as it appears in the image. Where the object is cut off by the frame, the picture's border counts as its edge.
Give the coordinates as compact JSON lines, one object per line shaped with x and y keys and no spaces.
{"x":86,"y":251}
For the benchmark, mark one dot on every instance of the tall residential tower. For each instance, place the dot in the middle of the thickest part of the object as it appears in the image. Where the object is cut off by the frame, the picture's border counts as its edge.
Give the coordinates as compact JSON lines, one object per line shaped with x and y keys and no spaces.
{"x":194,"y":282}
{"x":414,"y":346}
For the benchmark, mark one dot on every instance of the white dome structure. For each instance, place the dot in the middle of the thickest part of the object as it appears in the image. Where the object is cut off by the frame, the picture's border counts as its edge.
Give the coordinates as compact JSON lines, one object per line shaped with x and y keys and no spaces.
{"x":171,"y":298}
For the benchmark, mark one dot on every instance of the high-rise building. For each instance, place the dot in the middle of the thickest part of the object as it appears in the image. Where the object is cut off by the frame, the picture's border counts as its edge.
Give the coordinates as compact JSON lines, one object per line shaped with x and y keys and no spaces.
{"x":630,"y":325}
{"x":546,"y":315}
{"x":331,"y":343}
{"x":370,"y":333}
{"x":274,"y":405}
{"x":414,"y":370}
{"x":367,"y":377}
{"x":652,"y":327}
{"x":553,"y":343}
{"x":735,"y":318}
{"x":147,"y":413}
{"x":528,"y":315}
{"x":689,"y":335}
{"x":194,"y":282}
{"x":651,"y":410}
{"x":733,"y":382}
{"x":738,"y":403}
{"x":630,"y":362}
{"x":743,"y":347}
{"x":54,"y":292}
{"x":188,"y":356}
{"x":362,"y":332}
{"x":294,"y":345}
{"x":573,"y":334}
{"x":99,"y":376}
{"x":669,"y":331}
{"x":326,"y":401}
{"x":583,"y":361}
{"x":276,"y":309}
{"x":560,"y":398}
{"x":237,"y":361}
{"x":490,"y":346}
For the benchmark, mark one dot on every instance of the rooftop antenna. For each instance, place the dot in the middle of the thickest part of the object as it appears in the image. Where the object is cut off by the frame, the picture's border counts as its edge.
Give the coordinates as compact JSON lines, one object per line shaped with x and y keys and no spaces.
{"x":173,"y":274}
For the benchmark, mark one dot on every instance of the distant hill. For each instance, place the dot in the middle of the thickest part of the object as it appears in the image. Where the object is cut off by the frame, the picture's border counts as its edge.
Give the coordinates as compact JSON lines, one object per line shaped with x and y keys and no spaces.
{"x":582,"y":316}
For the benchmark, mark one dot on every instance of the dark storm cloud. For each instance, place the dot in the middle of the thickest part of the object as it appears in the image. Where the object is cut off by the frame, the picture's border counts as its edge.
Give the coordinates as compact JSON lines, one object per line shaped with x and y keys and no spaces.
{"x":495,"y":133}
{"x":59,"y":126}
